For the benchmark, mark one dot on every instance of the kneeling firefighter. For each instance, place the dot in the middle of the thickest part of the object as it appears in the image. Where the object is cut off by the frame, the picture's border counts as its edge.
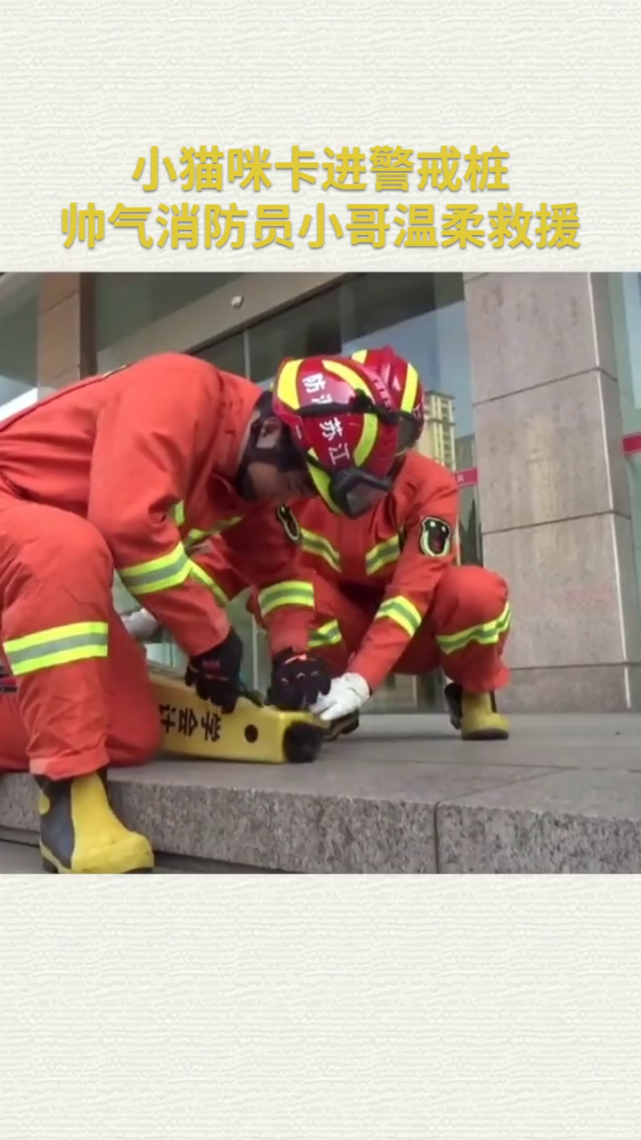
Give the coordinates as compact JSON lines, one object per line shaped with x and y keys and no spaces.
{"x":389,"y":596}
{"x":130,"y":471}
{"x":420,"y":614}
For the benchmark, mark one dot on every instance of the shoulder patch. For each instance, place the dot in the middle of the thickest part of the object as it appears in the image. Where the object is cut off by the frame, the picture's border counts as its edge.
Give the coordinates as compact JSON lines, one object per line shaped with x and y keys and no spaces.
{"x":288,"y":521}
{"x":436,"y":538}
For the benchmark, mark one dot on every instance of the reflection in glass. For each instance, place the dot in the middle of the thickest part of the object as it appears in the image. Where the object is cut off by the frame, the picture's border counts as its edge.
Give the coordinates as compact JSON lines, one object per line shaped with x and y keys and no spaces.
{"x":18,"y":342}
{"x":310,"y":328}
{"x":228,"y":355}
{"x":128,"y":302}
{"x":625,"y":304}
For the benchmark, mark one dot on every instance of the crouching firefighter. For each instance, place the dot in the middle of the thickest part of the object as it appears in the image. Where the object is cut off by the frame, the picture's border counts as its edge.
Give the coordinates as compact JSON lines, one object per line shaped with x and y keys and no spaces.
{"x":129,"y":473}
{"x":389,"y":595}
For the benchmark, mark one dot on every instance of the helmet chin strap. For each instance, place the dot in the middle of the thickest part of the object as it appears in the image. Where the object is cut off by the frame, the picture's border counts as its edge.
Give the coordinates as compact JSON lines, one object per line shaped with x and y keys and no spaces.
{"x":283,"y":455}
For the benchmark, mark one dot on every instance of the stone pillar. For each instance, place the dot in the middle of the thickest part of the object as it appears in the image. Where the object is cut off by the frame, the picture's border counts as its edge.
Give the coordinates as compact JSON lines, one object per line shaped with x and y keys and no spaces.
{"x":554,"y":498}
{"x":66,"y":336}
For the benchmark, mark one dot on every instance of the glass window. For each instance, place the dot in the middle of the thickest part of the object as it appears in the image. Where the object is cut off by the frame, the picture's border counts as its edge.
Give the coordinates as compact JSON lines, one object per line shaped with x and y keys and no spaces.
{"x":128,"y":302}
{"x":305,"y":330}
{"x":18,"y":342}
{"x":378,"y":301}
{"x":422,"y":316}
{"x":243,"y":624}
{"x":228,"y":355}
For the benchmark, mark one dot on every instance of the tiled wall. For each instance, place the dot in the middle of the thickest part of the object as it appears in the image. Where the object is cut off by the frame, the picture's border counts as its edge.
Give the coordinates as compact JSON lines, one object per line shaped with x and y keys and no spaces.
{"x":555,"y":504}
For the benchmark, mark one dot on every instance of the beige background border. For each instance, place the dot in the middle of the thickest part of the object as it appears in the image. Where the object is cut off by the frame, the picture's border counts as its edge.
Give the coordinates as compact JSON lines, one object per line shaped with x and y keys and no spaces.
{"x":87,"y":92}
{"x":386,"y":1009}
{"x":379,"y":1009}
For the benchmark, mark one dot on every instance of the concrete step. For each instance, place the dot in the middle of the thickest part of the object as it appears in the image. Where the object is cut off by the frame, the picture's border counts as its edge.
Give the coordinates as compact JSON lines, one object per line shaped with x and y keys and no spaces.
{"x":402,"y":795}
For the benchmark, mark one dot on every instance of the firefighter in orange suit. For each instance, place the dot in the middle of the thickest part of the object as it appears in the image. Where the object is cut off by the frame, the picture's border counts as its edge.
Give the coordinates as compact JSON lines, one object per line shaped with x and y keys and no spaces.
{"x":389,"y":595}
{"x":431,"y":611}
{"x":390,"y":598}
{"x":128,"y":472}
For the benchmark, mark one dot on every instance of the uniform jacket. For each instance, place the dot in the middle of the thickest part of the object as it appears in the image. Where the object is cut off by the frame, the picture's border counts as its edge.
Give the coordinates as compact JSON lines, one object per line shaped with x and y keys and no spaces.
{"x":394,"y":555}
{"x":148,"y":454}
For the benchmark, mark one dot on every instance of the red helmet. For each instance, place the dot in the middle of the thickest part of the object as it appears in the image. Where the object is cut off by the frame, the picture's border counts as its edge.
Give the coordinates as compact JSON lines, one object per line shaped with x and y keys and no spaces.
{"x":343,"y":421}
{"x":404,"y":386}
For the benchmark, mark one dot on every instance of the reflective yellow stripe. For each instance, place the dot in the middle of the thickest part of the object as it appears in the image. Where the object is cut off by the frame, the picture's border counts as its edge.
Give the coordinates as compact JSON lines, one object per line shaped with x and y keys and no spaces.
{"x":293,"y":593}
{"x":381,"y":555}
{"x":177,"y":513}
{"x":369,"y":431}
{"x":202,"y":576}
{"x":285,"y":385}
{"x":226,"y":523}
{"x":486,"y":634}
{"x":328,"y":634}
{"x":411,"y":389}
{"x":57,"y":646}
{"x":403,"y":612}
{"x":159,"y":574}
{"x":196,"y":536}
{"x":314,"y":543}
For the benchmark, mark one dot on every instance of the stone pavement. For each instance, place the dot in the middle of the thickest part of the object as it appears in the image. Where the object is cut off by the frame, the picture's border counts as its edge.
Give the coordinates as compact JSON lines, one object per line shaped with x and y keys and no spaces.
{"x":402,"y":795}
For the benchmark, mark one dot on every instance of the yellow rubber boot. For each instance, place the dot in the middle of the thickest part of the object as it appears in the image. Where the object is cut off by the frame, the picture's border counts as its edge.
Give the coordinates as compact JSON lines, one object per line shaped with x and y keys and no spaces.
{"x":80,"y":835}
{"x":475,"y":715}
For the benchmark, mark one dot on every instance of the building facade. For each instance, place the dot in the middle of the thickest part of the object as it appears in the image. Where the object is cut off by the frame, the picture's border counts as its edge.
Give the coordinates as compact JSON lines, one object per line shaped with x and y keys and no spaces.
{"x":534,"y":401}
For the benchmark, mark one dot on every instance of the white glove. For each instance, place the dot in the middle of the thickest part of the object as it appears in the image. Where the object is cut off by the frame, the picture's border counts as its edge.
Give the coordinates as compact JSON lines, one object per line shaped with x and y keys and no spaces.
{"x":345,"y":696}
{"x":140,"y":624}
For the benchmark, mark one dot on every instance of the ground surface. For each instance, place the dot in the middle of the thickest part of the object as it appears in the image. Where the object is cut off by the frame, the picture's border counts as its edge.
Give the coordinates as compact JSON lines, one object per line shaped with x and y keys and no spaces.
{"x":404,"y":794}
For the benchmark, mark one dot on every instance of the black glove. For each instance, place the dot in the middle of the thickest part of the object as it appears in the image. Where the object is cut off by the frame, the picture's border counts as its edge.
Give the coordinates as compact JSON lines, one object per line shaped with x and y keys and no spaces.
{"x":215,"y":675}
{"x":298,"y":680}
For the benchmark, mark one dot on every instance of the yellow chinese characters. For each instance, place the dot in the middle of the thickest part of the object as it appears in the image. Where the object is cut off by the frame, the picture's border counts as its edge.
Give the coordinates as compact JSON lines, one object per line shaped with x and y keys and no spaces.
{"x":381,"y":196}
{"x":462,"y":225}
{"x":394,"y":169}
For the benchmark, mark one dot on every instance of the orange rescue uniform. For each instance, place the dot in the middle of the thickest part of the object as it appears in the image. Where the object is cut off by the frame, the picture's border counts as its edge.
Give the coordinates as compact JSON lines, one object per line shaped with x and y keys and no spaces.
{"x":127,"y":472}
{"x":389,"y":596}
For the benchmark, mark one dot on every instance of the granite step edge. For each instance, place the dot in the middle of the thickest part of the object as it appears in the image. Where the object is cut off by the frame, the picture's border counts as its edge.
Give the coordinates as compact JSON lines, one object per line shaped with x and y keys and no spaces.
{"x":305,"y":831}
{"x":264,"y":829}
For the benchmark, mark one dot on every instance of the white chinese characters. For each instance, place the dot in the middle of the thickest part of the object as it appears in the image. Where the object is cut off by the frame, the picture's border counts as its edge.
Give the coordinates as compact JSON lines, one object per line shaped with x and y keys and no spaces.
{"x":339,"y":454}
{"x":331,"y":429}
{"x":314,"y":384}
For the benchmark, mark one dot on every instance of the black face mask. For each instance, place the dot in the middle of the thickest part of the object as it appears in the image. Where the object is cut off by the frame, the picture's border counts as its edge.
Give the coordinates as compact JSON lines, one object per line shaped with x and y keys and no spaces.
{"x":284,"y":456}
